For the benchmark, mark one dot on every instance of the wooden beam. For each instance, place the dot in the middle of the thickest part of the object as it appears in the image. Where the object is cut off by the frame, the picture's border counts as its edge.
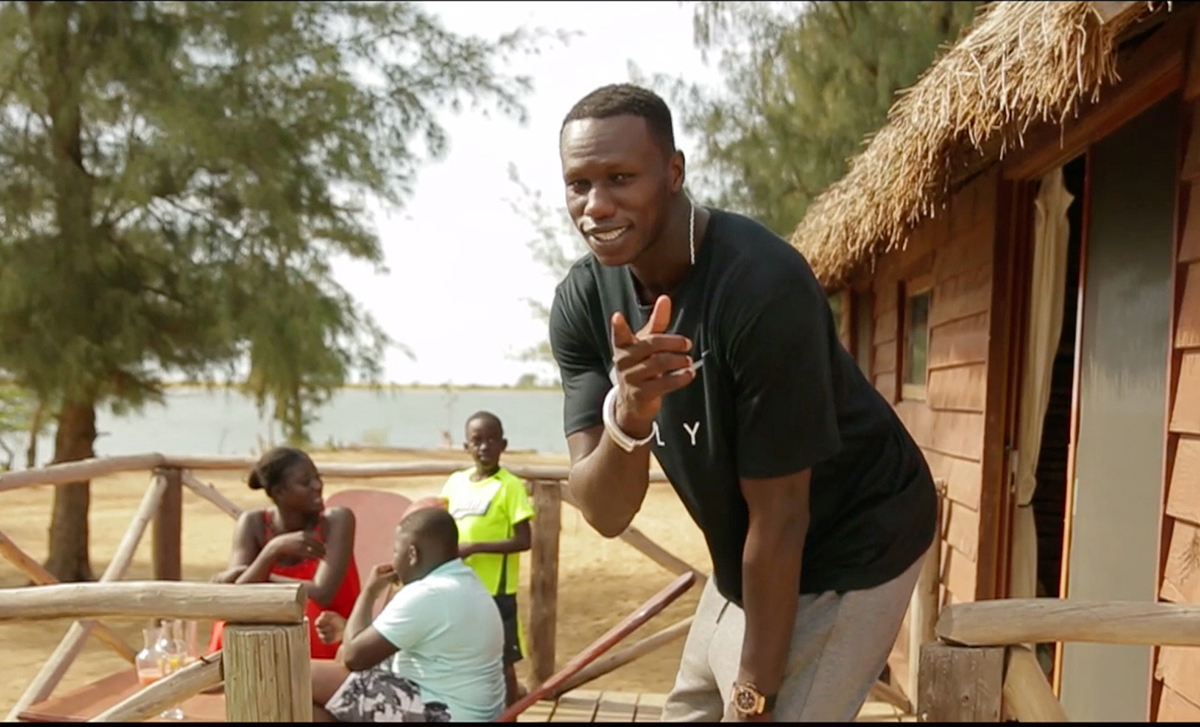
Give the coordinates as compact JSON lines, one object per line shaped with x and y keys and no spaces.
{"x":886,"y":693}
{"x":960,"y":684}
{"x":166,"y":693}
{"x":618,"y":659}
{"x":68,"y":649}
{"x":647,"y":547}
{"x":1027,"y":696}
{"x":1110,"y":12}
{"x":212,"y":494}
{"x":543,"y":577}
{"x":251,"y":604}
{"x":648,"y":610}
{"x":1043,"y":620}
{"x":923,"y":605}
{"x":89,"y":469}
{"x":42,"y":577}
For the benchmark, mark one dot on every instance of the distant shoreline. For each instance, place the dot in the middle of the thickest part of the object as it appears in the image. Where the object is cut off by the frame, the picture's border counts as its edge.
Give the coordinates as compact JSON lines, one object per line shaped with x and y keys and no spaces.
{"x":168,"y":385}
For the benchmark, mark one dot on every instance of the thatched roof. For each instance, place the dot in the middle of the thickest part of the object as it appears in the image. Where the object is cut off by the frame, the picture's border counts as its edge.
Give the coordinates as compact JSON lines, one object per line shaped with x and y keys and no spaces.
{"x":1020,"y":63}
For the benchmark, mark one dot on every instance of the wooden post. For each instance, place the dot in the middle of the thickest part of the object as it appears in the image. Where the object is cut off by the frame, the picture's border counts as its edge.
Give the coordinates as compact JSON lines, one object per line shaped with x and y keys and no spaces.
{"x":923,"y":606}
{"x":543,"y":577}
{"x":960,"y":684}
{"x":168,"y":529}
{"x":268,"y":673}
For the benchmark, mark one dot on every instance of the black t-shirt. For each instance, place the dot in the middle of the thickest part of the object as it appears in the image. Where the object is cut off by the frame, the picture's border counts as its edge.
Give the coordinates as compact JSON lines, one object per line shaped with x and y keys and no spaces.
{"x":777,"y":394}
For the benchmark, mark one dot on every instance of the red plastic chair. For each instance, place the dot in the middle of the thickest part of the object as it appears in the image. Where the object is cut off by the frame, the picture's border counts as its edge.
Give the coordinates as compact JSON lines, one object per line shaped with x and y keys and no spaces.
{"x":376,"y":514}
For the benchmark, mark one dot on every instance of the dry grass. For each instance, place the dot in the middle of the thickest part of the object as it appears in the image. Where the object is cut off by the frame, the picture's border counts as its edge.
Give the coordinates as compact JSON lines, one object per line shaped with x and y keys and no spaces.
{"x":1020,"y":63}
{"x":600,"y":581}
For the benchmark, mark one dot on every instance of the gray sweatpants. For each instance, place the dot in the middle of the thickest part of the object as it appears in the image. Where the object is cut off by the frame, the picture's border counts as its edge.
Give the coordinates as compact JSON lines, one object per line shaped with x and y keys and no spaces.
{"x":840,"y":645}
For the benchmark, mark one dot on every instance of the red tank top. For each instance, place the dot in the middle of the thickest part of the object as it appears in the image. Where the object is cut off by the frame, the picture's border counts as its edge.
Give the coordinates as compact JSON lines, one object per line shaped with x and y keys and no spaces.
{"x":305,"y":570}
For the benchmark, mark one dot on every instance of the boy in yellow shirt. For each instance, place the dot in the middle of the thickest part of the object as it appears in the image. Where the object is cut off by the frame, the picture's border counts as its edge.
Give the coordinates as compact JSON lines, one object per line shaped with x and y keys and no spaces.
{"x":493,"y":511}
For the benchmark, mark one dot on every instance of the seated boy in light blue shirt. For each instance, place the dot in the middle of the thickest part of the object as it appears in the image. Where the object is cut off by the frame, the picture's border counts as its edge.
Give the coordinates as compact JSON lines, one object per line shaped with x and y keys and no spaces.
{"x":435,"y":652}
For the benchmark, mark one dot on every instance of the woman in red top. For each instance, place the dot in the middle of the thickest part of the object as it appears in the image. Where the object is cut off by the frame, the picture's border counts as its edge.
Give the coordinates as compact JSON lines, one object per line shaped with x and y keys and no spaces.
{"x":296,"y":539}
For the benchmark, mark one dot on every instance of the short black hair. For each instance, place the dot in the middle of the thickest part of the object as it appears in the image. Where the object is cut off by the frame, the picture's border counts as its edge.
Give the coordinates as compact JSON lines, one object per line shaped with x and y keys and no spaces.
{"x":486,"y":416}
{"x":626,"y":99}
{"x":432,"y":526}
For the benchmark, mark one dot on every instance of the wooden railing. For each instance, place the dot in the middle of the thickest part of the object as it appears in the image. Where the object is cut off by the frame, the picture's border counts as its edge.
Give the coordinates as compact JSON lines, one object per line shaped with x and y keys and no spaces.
{"x":162,"y":505}
{"x":264,"y":679}
{"x":980,"y":668}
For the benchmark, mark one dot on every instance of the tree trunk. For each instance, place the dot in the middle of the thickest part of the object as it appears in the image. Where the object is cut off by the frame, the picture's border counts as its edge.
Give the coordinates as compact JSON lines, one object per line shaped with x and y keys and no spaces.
{"x":73,"y":440}
{"x":61,"y":45}
{"x":35,"y":431}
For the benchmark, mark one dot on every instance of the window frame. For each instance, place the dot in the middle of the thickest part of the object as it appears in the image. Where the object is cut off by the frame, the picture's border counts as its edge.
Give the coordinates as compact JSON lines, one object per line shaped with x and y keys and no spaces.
{"x":862,"y":320}
{"x":912,"y":288}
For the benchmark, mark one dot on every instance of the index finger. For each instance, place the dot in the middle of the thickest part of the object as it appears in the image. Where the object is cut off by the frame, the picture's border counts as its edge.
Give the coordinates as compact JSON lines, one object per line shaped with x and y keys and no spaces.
{"x":656,"y":342}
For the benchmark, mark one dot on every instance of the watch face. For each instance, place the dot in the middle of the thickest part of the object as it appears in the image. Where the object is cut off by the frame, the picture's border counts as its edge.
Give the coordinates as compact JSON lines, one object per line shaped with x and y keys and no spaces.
{"x":745,"y":699}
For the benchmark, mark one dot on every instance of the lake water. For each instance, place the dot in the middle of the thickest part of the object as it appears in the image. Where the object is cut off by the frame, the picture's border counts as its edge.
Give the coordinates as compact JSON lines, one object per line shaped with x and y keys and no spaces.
{"x":196,"y":421}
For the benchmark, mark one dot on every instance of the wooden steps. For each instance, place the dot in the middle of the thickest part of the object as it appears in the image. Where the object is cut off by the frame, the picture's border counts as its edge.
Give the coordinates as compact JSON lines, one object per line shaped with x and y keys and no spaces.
{"x":589,"y":705}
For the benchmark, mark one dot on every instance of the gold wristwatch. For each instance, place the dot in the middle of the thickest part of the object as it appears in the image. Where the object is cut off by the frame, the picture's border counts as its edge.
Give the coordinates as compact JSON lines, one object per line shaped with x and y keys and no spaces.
{"x":749,"y":702}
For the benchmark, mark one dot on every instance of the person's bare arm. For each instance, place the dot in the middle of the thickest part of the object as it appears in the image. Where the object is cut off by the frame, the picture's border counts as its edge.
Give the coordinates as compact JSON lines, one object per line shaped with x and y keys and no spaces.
{"x":339,"y":545}
{"x":781,"y":357}
{"x":362,"y":646}
{"x":245,"y":547}
{"x":334,"y":554}
{"x":521,"y":540}
{"x":608,"y":483}
{"x":779,"y":518}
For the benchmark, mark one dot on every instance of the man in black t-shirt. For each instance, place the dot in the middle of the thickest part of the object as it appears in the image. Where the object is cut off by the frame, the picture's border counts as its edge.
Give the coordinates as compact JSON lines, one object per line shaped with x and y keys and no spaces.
{"x":700,"y":335}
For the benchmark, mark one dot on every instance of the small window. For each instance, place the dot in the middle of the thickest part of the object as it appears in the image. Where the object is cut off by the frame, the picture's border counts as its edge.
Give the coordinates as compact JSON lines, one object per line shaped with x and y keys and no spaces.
{"x":915,"y":341}
{"x":839,"y":305}
{"x":864,"y":330}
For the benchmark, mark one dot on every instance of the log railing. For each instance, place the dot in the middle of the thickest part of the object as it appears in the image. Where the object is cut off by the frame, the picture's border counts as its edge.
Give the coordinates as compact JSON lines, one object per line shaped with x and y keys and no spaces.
{"x":162,"y":507}
{"x":980,"y":669}
{"x":264,"y":679}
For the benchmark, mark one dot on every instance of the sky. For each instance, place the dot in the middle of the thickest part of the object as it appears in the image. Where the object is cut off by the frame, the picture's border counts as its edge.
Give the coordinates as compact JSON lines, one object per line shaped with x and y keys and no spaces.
{"x":458,"y":264}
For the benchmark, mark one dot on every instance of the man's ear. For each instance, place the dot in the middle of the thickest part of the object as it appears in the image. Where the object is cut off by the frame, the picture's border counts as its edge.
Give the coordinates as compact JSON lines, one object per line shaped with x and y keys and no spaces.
{"x":677,"y":167}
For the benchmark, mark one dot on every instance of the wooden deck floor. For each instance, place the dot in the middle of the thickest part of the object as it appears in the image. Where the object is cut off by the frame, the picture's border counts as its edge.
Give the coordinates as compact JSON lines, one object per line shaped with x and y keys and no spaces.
{"x":586,"y":705}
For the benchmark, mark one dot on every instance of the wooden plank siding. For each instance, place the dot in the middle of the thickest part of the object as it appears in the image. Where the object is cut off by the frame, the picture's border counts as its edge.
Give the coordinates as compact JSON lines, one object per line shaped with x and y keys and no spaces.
{"x":954,"y":248}
{"x":1177,"y":670}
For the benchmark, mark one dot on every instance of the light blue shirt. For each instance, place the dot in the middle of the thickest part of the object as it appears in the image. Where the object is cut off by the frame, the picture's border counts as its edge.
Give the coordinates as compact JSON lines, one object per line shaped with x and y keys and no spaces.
{"x":451,"y":641}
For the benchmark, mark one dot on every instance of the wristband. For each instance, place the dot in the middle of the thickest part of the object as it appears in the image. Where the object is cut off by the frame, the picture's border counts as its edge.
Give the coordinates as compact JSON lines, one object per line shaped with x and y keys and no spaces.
{"x":620,"y":438}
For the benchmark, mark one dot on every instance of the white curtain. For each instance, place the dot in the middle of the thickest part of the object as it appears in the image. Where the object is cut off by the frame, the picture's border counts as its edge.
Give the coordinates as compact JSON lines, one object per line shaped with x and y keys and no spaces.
{"x":1051,"y":233}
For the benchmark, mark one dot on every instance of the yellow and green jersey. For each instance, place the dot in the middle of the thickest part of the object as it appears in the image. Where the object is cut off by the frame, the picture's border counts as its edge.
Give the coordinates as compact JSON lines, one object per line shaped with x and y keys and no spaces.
{"x":487,"y":511}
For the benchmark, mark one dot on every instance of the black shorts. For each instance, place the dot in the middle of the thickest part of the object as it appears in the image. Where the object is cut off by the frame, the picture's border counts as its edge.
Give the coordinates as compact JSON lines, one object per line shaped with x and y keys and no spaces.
{"x":507,"y":603}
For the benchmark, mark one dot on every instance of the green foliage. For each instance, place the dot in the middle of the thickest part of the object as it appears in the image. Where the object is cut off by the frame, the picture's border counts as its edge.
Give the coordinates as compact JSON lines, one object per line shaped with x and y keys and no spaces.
{"x":556,"y":245}
{"x":180,"y":175}
{"x":21,"y":418}
{"x":804,"y":85}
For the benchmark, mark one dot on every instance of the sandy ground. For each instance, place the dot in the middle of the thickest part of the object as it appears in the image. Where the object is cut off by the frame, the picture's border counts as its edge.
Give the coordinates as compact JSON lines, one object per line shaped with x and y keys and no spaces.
{"x":600,"y":581}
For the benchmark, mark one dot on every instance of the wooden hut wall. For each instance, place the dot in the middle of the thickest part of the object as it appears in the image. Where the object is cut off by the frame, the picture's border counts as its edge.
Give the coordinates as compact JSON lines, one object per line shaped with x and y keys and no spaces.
{"x":1177,"y":670}
{"x":951,"y":254}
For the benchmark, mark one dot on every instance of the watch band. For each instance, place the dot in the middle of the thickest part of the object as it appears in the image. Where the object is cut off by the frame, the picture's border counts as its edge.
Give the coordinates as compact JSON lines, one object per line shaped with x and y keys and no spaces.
{"x":762,"y":703}
{"x":619,"y":437}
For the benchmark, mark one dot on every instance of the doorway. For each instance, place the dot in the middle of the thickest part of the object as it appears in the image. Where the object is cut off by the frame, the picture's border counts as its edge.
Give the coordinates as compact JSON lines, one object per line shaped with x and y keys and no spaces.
{"x":1120,"y":401}
{"x":1049,"y":500}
